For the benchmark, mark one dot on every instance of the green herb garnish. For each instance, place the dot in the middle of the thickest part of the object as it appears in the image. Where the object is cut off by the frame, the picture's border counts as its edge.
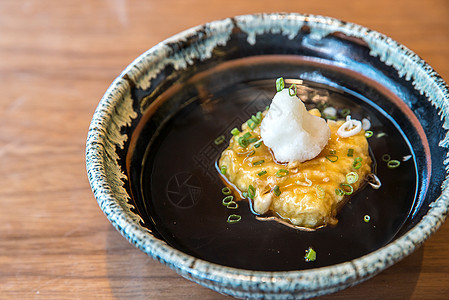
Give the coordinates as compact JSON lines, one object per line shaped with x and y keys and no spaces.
{"x":261,"y":173}
{"x":347,"y":188}
{"x":310,"y":254}
{"x":280,"y":84}
{"x":281,"y":173}
{"x":276,"y":191}
{"x":234,"y":218}
{"x":259,"y":162}
{"x":226,"y":191}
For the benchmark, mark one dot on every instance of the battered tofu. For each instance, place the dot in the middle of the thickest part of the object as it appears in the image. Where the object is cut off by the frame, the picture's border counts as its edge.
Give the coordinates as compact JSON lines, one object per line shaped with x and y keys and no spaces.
{"x":305,"y":194}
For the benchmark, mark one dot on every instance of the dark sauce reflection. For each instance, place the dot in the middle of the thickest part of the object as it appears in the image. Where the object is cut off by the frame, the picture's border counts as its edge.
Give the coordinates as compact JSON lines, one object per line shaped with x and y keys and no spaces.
{"x":182,"y":188}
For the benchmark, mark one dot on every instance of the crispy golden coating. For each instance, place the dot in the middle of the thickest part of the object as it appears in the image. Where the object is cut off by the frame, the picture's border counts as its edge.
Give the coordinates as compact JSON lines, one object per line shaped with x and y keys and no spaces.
{"x":310,"y":192}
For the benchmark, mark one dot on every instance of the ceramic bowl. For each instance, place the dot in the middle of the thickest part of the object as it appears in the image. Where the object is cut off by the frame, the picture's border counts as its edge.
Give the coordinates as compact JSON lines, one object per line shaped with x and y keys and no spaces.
{"x":227,"y":53}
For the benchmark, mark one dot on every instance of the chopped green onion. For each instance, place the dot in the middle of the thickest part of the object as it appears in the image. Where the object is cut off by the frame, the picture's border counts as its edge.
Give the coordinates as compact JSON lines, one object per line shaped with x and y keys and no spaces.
{"x":243,"y":142}
{"x":234,"y":219}
{"x":257,"y":145}
{"x":366,"y":218}
{"x":267,"y":107}
{"x":247,"y":135}
{"x":232,"y":205}
{"x":251,"y":192}
{"x":255,"y":119}
{"x":259,"y":116}
{"x":227,"y":200}
{"x":368,"y":133}
{"x":345,"y":112}
{"x":245,"y":194}
{"x":251,"y":153}
{"x":329,"y":117}
{"x":292,"y":90}
{"x":219,"y":140}
{"x":251,"y":124}
{"x":281,"y":173}
{"x":261,"y":173}
{"x":332,"y":158}
{"x":386,"y":157}
{"x":280,"y":84}
{"x":339,"y":192}
{"x":276,"y":191}
{"x":223,"y":170}
{"x":320,"y":192}
{"x":252,"y":140}
{"x":333,"y":152}
{"x":350,"y":152}
{"x":352,"y":177}
{"x":357,"y":163}
{"x":379,"y":135}
{"x":393,"y":163}
{"x":235,"y":132}
{"x":310,"y":254}
{"x":259,"y":162}
{"x":226,"y":191}
{"x":347,"y":188}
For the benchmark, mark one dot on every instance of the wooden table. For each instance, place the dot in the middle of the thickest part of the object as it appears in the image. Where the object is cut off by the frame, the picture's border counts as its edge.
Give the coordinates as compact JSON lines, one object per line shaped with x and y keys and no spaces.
{"x":57,"y":58}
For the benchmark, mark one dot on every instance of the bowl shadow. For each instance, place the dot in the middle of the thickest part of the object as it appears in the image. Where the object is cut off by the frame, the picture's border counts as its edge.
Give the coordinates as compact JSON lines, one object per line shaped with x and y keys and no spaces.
{"x":134,"y":275}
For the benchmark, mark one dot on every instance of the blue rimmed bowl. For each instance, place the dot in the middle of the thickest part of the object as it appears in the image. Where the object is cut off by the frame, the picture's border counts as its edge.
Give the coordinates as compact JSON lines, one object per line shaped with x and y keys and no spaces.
{"x":322,"y":50}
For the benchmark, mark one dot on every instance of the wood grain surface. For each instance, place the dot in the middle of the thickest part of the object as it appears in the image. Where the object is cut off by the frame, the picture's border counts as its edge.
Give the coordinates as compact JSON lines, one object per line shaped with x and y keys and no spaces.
{"x":57,"y":58}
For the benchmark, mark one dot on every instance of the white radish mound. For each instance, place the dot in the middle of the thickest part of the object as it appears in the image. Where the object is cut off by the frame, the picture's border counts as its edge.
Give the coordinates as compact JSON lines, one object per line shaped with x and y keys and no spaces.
{"x":292,"y":133}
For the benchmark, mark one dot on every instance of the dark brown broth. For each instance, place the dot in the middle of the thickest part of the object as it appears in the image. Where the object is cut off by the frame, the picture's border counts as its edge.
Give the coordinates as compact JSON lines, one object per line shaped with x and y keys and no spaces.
{"x":182,"y":189}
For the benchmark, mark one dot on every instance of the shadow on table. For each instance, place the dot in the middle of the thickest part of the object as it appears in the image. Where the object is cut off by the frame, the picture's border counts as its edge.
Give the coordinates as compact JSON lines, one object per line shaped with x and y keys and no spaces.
{"x":134,"y":275}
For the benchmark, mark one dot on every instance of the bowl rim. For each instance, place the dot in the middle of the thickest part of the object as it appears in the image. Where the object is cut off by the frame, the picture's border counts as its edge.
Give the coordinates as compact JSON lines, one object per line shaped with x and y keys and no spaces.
{"x":112,"y":197}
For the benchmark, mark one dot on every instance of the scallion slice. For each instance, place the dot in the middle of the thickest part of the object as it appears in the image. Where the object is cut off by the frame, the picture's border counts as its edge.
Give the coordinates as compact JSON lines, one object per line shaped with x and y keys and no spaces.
{"x":280,"y":84}
{"x":234,"y":218}
{"x":255,"y":119}
{"x":251,"y":192}
{"x":261,"y":173}
{"x":251,"y":124}
{"x":243,"y":142}
{"x":332,"y":157}
{"x":292,"y":90}
{"x":339,"y":192}
{"x":368,"y":133}
{"x":276,"y":191}
{"x":347,"y":188}
{"x":350,"y":152}
{"x":352,"y":177}
{"x":310,"y":255}
{"x":227,"y":200}
{"x":226,"y":191}
{"x":259,"y":162}
{"x":357,"y":164}
{"x":219,"y":140}
{"x":393,"y":163}
{"x":235,"y":132}
{"x":386,"y":157}
{"x":366,"y":218}
{"x":232,"y":205}
{"x":223,"y":170}
{"x":281,"y":173}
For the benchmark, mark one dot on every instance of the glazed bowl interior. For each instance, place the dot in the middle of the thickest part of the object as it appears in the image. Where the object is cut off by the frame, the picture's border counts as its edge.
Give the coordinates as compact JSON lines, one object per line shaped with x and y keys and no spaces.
{"x":152,"y":152}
